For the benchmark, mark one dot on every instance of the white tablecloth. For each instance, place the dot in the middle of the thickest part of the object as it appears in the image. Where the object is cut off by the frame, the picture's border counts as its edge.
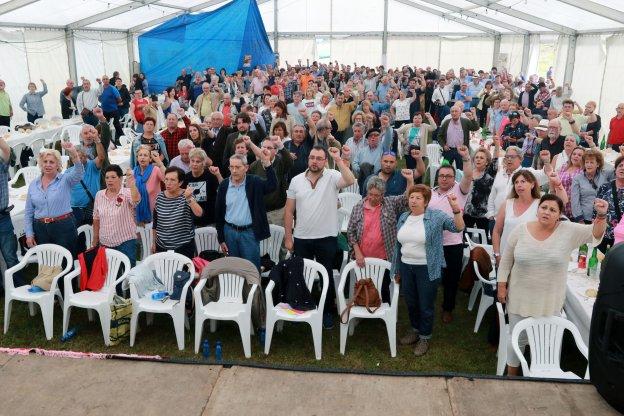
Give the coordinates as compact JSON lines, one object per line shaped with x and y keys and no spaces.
{"x":14,"y":138}
{"x":578,"y":306}
{"x":120,"y":156}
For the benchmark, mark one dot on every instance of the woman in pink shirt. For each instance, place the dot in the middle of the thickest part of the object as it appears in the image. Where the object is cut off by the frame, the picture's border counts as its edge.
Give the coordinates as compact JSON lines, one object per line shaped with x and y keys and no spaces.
{"x":149,"y":174}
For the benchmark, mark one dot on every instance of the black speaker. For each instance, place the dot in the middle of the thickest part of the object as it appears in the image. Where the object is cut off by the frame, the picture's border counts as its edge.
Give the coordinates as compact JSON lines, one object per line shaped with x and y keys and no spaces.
{"x":606,"y":335}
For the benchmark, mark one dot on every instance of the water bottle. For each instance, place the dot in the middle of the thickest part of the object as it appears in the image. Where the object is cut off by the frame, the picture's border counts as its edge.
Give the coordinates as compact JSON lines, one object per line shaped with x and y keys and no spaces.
{"x":69,"y":334}
{"x":218,"y":352}
{"x":206,"y":349}
{"x":261,"y":336}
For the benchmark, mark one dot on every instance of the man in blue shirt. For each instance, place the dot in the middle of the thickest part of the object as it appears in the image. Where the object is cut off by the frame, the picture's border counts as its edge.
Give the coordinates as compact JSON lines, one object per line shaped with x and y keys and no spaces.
{"x":463,"y":96}
{"x":110,"y":99}
{"x":83,"y":193}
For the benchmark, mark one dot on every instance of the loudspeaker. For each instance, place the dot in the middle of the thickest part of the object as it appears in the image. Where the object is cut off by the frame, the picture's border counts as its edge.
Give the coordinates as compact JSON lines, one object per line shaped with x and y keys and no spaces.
{"x":606,"y":335}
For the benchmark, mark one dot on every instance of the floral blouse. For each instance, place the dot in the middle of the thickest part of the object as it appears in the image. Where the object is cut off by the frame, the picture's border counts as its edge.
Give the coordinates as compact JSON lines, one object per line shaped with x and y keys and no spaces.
{"x":477,"y":201}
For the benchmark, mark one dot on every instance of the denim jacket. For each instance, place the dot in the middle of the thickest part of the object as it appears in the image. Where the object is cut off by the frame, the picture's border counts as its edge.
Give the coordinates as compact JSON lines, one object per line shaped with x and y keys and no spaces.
{"x":435,"y":222}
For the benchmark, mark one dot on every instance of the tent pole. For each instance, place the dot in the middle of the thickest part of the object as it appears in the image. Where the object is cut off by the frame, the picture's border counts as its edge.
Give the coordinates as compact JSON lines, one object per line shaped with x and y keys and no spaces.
{"x":71,"y":54}
{"x":131,"y":58}
{"x":497,"y":43}
{"x":569,"y":69}
{"x":275,"y":29}
{"x":525,"y":54}
{"x":384,"y":39}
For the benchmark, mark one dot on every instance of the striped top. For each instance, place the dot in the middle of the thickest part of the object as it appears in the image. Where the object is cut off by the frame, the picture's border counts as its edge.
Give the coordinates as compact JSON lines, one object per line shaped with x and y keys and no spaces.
{"x":116,"y":216}
{"x":173,"y":222}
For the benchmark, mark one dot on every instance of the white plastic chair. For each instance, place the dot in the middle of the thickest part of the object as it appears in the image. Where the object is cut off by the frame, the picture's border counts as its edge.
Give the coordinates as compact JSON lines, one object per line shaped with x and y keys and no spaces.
{"x":273,"y":245}
{"x":545,"y":336}
{"x":353,"y":188}
{"x":475,"y":235}
{"x":191,"y":111}
{"x":477,"y":287}
{"x":87,"y":230}
{"x":348,"y":200}
{"x":29,"y":173}
{"x":486,"y":300}
{"x":312,"y":271}
{"x":375,"y":269}
{"x":36,"y":146}
{"x":100,"y":300}
{"x":145,"y":233}
{"x":126,"y":121}
{"x":46,"y":254}
{"x":503,"y":340}
{"x":4,"y":130}
{"x":206,"y":239}
{"x":130,"y":134}
{"x":165,"y":265}
{"x":434,"y":154}
{"x":73,"y":132}
{"x":229,"y":307}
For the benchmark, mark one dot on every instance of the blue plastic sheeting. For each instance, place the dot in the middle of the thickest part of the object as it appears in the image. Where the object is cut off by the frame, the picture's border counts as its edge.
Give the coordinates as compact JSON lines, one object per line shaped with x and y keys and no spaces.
{"x":220,"y":39}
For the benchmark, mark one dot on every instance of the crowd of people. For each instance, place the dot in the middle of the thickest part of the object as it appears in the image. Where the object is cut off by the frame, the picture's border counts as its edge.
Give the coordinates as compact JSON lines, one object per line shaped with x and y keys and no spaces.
{"x":276,"y":145}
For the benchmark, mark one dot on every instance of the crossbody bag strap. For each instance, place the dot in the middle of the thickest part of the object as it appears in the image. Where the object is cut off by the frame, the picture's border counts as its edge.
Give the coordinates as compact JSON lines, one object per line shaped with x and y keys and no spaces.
{"x":616,"y":201}
{"x":87,"y":190}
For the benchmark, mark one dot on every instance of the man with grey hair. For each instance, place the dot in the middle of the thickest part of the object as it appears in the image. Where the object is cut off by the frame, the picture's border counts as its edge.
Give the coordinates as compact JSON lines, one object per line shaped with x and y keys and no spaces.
{"x":86,"y":102}
{"x":89,"y":135}
{"x":294,"y":107}
{"x":240,"y":214}
{"x":512,"y":163}
{"x":357,"y":141}
{"x":182,"y":160}
{"x":83,"y":193}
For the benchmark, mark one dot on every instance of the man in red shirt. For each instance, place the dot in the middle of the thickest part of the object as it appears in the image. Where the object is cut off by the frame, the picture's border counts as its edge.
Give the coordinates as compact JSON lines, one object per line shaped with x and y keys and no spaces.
{"x":616,"y":128}
{"x":173,"y":134}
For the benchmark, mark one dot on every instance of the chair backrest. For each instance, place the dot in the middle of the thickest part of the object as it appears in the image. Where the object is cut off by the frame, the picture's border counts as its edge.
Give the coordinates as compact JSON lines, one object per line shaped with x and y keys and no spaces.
{"x":124,"y":141}
{"x":73,"y":132}
{"x":231,"y":288}
{"x":488,"y":247}
{"x":115,"y":259}
{"x":373,"y":268}
{"x":18,"y":224}
{"x":206,"y":239}
{"x":191,"y":111}
{"x":145,"y":232}
{"x":41,"y":122}
{"x":312,"y":271}
{"x":29,"y":173}
{"x":36,"y":146}
{"x":434,"y":153}
{"x":87,"y":230}
{"x":545,"y":337}
{"x":273,"y":244}
{"x":4,"y":130}
{"x":475,"y":235}
{"x":348,"y":200}
{"x":166,"y":264}
{"x":490,"y":281}
{"x":353,"y":188}
{"x":52,"y":255}
{"x":503,"y":327}
{"x":343,"y":219}
{"x":130,"y":134}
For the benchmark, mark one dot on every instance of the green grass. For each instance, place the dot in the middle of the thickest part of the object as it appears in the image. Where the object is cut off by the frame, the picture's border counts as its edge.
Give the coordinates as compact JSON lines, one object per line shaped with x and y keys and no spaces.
{"x":454,"y":348}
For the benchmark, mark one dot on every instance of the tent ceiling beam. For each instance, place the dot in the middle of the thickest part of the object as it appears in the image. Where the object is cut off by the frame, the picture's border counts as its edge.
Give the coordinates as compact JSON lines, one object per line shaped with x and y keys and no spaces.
{"x":9,"y":6}
{"x":524,"y":16}
{"x":597,"y":9}
{"x":378,"y":34}
{"x":108,"y":14}
{"x":448,"y":17}
{"x":477,"y":16}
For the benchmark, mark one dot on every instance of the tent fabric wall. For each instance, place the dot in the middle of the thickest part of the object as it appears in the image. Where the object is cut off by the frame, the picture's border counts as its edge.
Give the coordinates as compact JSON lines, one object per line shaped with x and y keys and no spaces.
{"x":611,"y":89}
{"x":467,"y":52}
{"x":292,"y":49}
{"x":14,"y":72}
{"x":561,"y":56}
{"x":512,"y":45}
{"x":422,"y":52}
{"x":359,"y":50}
{"x":591,"y":56}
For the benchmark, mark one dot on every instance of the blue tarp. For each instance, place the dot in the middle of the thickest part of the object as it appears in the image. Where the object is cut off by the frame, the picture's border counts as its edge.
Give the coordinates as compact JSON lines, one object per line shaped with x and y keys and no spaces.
{"x":220,"y":39}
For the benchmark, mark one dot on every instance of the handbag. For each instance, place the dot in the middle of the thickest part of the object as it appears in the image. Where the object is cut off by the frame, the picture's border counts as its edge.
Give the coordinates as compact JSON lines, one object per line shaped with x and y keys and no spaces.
{"x":87,"y":212}
{"x":121,"y":312}
{"x":179,"y":280}
{"x":366,"y":295}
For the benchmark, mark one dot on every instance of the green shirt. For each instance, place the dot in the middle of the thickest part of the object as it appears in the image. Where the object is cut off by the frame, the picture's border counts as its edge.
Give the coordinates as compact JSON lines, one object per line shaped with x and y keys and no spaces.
{"x":5,"y":104}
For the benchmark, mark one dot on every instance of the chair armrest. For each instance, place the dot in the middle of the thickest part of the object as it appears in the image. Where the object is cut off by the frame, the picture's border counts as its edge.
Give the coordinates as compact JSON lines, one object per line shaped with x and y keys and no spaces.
{"x":185,"y":290}
{"x":197,"y":291}
{"x":342,"y":303}
{"x":395,"y":295}
{"x":268,"y":294}
{"x":8,"y":273}
{"x":250,"y":296}
{"x":68,"y":281}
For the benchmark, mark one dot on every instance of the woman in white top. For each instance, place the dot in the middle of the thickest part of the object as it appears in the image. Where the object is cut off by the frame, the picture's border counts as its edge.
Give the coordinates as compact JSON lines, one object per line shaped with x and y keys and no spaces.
{"x":416,"y":135}
{"x":400,"y":109}
{"x":533,"y":271}
{"x":561,"y":159}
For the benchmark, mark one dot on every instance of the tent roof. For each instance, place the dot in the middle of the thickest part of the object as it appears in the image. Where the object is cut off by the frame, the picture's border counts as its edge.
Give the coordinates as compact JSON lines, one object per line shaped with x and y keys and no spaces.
{"x":441,"y":16}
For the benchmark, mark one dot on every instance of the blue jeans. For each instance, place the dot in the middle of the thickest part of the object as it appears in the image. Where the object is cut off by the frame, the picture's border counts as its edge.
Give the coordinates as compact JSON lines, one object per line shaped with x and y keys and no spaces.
{"x":62,"y":233}
{"x":129,"y":249}
{"x":242,"y":244}
{"x":420,"y":296}
{"x":8,"y":248}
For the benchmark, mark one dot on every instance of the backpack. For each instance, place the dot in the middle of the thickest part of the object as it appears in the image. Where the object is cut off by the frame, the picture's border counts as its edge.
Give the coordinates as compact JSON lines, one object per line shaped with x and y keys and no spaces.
{"x":366,"y":295}
{"x":179,"y":280}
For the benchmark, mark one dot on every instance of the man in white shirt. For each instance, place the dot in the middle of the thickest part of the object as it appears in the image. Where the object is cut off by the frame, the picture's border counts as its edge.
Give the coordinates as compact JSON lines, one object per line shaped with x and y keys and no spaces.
{"x":183,"y":160}
{"x":313,"y":194}
{"x":294,"y":107}
{"x":86,"y":101}
{"x":512,"y":163}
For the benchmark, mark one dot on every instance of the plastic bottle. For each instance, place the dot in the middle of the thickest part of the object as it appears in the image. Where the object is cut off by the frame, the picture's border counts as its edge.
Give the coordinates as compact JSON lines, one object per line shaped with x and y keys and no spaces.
{"x":206,"y":349}
{"x":69,"y":334}
{"x":218,"y":352}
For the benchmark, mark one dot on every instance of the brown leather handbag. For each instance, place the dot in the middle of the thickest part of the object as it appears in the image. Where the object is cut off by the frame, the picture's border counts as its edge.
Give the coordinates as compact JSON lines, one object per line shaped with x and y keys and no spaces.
{"x":366,"y":295}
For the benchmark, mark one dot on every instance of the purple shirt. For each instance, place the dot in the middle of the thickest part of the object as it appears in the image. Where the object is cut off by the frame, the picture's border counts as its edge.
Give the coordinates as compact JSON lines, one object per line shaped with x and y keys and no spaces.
{"x":454,"y":134}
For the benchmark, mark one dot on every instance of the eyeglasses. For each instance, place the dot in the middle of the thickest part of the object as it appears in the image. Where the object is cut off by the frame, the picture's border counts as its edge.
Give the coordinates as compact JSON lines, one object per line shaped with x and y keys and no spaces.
{"x":509,"y":157}
{"x":319,"y":158}
{"x":446,"y":176}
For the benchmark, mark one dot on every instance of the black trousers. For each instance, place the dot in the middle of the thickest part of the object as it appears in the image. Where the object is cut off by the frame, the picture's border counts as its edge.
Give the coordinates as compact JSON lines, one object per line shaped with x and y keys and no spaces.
{"x":187,"y":249}
{"x":118,"y":130}
{"x":453,"y":255}
{"x":323,"y":250}
{"x":5,"y":121}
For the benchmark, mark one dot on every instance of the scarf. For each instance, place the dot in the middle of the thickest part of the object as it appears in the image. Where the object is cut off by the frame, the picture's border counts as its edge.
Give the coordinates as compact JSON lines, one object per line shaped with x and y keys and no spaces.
{"x":143,"y":212}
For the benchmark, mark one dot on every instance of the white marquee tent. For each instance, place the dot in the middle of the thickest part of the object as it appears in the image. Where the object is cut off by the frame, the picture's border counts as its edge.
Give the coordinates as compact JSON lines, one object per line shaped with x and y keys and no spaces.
{"x":583,"y":40}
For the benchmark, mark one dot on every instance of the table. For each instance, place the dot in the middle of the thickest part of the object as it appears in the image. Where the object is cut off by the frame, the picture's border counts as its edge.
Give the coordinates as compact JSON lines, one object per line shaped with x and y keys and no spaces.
{"x":578,"y":306}
{"x":120,"y":156}
{"x":14,"y":138}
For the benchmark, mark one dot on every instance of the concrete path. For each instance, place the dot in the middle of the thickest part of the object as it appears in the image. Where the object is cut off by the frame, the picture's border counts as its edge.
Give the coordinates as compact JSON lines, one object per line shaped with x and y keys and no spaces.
{"x":34,"y":385}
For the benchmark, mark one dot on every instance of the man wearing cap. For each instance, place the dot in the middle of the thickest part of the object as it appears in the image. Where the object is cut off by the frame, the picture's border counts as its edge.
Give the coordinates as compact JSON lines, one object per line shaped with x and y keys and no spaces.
{"x":514,"y":131}
{"x":368,"y":159}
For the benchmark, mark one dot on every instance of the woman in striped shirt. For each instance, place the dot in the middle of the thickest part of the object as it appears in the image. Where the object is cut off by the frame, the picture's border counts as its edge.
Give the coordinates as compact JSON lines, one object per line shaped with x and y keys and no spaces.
{"x":173,"y":226}
{"x":114,"y":225}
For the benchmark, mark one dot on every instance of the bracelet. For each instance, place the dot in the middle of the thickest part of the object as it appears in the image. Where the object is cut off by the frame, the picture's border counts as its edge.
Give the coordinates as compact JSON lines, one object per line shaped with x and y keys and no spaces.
{"x":456,"y":212}
{"x":601,"y":216}
{"x":190,"y":200}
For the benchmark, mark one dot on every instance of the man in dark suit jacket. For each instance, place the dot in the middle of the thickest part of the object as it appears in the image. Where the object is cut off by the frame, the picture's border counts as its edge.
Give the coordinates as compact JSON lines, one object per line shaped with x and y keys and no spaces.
{"x":215,"y":139}
{"x":452,"y":138}
{"x":243,"y":122}
{"x":240,"y":214}
{"x":527,"y":97}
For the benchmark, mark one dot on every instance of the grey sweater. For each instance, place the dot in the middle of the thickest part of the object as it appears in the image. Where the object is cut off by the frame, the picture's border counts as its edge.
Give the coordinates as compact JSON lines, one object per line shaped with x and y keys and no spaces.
{"x":583,"y":193}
